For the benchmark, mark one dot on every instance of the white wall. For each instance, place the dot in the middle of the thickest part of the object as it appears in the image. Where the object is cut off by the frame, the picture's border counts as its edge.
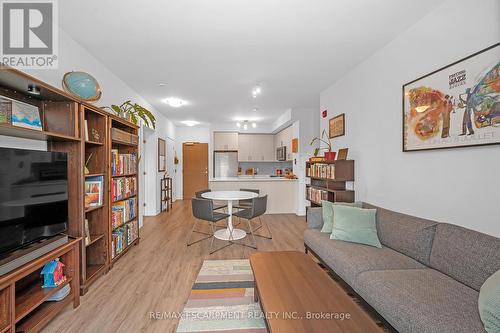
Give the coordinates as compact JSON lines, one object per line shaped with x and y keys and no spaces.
{"x":183,"y":134}
{"x":73,"y":57}
{"x":459,"y":186}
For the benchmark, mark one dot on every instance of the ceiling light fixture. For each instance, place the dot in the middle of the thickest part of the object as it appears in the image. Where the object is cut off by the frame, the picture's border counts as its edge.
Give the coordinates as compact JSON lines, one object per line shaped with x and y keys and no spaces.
{"x":245,"y":126}
{"x":256,"y":91}
{"x":238,"y":124}
{"x":162,"y":84}
{"x":190,"y":123}
{"x":254,"y":125}
{"x":174,"y":102}
{"x":255,"y":109}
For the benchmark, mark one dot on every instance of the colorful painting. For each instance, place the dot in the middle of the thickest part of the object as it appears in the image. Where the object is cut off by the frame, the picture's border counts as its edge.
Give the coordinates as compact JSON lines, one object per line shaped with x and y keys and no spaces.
{"x":456,"y":106}
{"x":20,"y":114}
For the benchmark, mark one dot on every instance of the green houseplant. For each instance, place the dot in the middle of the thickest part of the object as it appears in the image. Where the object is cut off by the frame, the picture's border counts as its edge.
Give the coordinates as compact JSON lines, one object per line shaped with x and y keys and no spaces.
{"x":135,"y":111}
{"x":329,"y":154}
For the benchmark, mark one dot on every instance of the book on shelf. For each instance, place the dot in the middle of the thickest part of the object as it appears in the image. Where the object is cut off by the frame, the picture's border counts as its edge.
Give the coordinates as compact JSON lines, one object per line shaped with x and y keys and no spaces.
{"x":87,"y":232}
{"x":316,"y":195}
{"x":122,"y":164}
{"x":94,"y":188}
{"x":123,"y":237}
{"x":123,"y":187}
{"x":86,"y":130}
{"x":123,"y":211}
{"x":321,"y":170}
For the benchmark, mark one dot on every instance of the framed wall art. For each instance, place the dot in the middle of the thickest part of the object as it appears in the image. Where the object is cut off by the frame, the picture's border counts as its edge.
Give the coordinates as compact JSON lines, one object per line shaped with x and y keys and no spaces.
{"x":162,"y":155}
{"x":336,"y":126}
{"x":455,"y":106}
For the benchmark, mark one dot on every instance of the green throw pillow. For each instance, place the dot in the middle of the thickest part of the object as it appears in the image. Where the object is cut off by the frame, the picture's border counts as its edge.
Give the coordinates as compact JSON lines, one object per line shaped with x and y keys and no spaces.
{"x":355,"y":225}
{"x":489,"y":303}
{"x":327,"y":210}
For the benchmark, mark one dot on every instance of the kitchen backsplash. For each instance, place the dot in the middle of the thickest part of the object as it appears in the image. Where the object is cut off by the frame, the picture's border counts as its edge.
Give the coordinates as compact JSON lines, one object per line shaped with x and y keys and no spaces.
{"x":266,"y":168}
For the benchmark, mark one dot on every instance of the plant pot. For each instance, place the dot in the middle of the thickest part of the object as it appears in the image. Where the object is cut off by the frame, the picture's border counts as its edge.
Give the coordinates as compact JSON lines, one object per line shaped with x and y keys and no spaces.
{"x":330,"y":155}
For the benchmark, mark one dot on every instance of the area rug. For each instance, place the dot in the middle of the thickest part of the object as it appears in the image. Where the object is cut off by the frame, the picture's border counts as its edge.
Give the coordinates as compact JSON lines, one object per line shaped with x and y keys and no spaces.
{"x":222,"y":300}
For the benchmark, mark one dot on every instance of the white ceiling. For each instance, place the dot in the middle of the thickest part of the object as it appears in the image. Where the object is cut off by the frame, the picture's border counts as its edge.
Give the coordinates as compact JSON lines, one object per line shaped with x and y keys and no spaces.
{"x":212,"y":52}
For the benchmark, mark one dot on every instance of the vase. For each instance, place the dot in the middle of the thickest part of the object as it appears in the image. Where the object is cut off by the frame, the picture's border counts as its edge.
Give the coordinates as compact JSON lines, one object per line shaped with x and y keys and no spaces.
{"x":330,"y":155}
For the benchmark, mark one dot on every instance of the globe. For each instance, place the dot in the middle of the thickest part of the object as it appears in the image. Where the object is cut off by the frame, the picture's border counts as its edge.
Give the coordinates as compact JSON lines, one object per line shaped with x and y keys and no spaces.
{"x":82,"y":85}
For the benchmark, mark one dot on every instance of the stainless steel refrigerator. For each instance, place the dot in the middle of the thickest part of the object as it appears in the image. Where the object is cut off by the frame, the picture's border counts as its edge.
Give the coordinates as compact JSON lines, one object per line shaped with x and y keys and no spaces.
{"x":225,"y":164}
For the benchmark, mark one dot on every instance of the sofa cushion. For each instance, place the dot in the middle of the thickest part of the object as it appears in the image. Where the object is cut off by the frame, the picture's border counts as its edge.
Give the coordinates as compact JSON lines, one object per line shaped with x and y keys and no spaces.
{"x":466,"y":255}
{"x":350,"y":259}
{"x":314,"y":217}
{"x":356,"y":225}
{"x":327,"y":213}
{"x":405,"y":233}
{"x":489,"y":303}
{"x":421,"y":300}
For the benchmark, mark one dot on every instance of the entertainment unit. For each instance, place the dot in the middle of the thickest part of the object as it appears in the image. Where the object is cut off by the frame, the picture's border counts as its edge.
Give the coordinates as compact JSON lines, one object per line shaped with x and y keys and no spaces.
{"x":84,"y":134}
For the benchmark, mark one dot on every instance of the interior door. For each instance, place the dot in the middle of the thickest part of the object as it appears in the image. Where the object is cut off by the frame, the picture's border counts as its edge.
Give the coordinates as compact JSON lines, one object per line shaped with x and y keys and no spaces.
{"x":195,"y":168}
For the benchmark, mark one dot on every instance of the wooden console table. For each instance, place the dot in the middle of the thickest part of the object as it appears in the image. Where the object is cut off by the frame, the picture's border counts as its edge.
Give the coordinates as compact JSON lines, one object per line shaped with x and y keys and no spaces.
{"x":23,"y":306}
{"x":298,"y":296}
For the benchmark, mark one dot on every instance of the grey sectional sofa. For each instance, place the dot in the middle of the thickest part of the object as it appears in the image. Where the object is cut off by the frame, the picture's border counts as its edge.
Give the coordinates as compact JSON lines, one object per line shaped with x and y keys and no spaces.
{"x":425,"y":278}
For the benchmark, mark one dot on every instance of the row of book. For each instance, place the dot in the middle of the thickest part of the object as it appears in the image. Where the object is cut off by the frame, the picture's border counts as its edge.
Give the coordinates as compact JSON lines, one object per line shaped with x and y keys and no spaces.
{"x":316,"y":195}
{"x":123,"y":237}
{"x":123,"y":164}
{"x":123,"y":211}
{"x":123,"y":187}
{"x":321,"y":171}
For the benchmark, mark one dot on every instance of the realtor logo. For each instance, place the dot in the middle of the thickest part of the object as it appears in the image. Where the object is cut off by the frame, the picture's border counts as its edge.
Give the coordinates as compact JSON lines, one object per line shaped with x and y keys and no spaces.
{"x":29,"y":34}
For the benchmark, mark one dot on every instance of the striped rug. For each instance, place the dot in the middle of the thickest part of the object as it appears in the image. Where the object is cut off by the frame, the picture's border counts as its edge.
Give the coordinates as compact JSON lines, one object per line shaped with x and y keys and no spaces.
{"x":221,"y":300}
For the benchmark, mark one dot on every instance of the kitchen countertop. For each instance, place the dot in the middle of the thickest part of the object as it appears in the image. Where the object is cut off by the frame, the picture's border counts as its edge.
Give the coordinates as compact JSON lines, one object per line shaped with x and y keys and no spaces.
{"x":256,"y":178}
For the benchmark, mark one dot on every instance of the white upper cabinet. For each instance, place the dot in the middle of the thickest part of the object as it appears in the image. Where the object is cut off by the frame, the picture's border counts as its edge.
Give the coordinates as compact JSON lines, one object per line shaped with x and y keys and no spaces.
{"x":225,"y":141}
{"x":256,"y":147}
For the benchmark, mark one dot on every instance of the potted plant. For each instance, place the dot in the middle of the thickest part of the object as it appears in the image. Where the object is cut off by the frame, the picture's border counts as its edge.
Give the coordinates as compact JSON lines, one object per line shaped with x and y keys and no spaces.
{"x":134,"y":111}
{"x":329,"y":154}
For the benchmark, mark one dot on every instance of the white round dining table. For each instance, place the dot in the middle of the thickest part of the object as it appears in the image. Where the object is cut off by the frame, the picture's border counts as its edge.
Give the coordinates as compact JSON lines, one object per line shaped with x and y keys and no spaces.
{"x":229,"y":233}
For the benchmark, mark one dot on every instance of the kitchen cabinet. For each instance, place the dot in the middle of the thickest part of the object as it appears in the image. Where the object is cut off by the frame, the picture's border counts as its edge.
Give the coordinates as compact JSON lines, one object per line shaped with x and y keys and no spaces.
{"x":256,"y":148}
{"x":225,"y":141}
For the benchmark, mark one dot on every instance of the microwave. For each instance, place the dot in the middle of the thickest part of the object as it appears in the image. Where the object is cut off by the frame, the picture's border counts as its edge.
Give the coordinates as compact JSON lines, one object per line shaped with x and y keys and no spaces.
{"x":281,"y":153}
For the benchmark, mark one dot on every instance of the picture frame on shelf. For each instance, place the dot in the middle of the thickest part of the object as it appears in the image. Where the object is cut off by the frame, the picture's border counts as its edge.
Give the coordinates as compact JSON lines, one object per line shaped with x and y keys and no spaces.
{"x":336,"y":126}
{"x":94,"y":191}
{"x":162,"y":155}
{"x":342,"y":155}
{"x":20,"y":114}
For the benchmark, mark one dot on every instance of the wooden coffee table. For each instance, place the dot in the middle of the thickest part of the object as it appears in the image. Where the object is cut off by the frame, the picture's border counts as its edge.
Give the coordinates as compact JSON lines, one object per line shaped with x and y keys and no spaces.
{"x":296,"y":295}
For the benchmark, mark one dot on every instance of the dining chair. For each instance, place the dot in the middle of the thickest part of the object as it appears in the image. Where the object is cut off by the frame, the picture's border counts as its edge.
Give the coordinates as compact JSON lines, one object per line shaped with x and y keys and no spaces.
{"x":203,"y":209}
{"x":258,"y":208}
{"x":245,"y":203}
{"x":216,"y":206}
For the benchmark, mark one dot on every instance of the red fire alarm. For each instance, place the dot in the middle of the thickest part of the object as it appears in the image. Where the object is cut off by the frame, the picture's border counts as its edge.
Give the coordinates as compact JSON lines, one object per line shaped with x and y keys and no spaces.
{"x":324,"y":114}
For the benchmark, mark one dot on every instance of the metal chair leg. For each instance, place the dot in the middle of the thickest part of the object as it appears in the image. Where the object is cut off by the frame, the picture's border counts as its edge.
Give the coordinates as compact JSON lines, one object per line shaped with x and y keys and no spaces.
{"x":199,"y":232}
{"x":260,"y":226}
{"x":253,"y":237}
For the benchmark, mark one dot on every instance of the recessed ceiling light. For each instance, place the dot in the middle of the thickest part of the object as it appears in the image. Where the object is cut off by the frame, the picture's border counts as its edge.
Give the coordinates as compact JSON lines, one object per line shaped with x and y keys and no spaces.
{"x":174,"y":102}
{"x":238,"y":125}
{"x":245,"y":126}
{"x":255,"y":109}
{"x":254,"y":125}
{"x":256,"y":91}
{"x":190,"y":122}
{"x":162,"y":84}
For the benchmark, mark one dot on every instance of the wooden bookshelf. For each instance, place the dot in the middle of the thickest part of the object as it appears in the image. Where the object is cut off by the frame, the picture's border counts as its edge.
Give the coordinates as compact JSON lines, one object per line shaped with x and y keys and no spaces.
{"x":332,"y":188}
{"x":123,"y":146}
{"x":66,"y":121}
{"x":95,"y":255}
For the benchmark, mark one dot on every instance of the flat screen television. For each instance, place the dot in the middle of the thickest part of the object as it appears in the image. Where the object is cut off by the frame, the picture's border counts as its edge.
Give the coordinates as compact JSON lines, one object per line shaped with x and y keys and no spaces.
{"x":33,"y":197}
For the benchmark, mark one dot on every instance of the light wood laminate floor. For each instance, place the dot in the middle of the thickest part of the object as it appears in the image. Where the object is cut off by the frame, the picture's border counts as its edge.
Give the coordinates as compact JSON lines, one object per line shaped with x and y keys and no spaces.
{"x":157,"y":275}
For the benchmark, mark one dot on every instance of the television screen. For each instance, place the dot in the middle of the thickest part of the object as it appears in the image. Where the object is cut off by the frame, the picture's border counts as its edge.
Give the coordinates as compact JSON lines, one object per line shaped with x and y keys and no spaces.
{"x":33,"y":196}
